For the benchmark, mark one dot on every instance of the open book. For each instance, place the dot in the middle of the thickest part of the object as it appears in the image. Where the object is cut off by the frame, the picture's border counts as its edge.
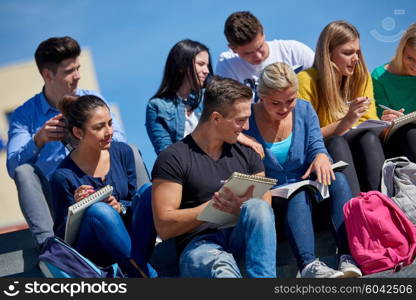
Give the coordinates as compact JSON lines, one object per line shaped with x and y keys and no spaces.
{"x":76,"y":212}
{"x":397,"y":123}
{"x":238,"y":183}
{"x":285,"y":191}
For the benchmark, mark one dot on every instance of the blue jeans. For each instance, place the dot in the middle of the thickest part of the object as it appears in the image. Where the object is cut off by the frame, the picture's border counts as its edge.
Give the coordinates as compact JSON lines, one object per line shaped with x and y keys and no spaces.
{"x":298,"y":221}
{"x":251,"y":242}
{"x":104,"y":238}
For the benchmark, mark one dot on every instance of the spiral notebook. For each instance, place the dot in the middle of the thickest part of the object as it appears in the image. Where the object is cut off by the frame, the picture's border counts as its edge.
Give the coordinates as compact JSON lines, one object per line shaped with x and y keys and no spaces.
{"x":238,"y":183}
{"x":397,"y":123}
{"x":76,"y":212}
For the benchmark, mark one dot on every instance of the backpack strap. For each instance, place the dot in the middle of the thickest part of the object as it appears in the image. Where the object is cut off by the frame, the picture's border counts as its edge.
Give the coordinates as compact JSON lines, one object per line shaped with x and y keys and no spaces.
{"x":137,"y":267}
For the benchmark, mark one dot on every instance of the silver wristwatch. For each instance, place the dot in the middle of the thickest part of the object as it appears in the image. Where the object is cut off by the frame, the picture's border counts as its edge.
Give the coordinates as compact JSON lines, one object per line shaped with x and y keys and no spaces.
{"x":123,"y":209}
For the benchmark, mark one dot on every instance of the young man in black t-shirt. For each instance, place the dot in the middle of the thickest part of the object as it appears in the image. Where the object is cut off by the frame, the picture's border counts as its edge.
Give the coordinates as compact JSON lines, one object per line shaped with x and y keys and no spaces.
{"x":189,"y":173}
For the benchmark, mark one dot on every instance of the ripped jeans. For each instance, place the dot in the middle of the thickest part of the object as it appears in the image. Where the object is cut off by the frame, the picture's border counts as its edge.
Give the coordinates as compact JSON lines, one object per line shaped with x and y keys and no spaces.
{"x":251,"y":243}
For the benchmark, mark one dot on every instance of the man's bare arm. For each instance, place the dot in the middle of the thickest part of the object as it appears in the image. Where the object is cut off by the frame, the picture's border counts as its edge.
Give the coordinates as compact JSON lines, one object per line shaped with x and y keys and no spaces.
{"x":170,"y":221}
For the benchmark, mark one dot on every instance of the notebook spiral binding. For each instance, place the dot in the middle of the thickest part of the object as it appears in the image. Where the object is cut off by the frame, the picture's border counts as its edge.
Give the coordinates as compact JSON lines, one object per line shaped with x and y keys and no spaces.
{"x":403,"y":118}
{"x":254,"y":178}
{"x":397,"y":123}
{"x":99,"y":193}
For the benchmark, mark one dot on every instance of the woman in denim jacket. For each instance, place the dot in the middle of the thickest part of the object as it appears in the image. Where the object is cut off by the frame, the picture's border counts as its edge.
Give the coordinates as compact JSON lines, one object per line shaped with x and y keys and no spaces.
{"x":288,"y":128}
{"x":173,"y":112}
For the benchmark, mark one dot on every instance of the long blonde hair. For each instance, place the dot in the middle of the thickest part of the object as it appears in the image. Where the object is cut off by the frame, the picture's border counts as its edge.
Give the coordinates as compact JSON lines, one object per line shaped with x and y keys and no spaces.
{"x":408,"y":39}
{"x":277,"y":76}
{"x":334,"y":89}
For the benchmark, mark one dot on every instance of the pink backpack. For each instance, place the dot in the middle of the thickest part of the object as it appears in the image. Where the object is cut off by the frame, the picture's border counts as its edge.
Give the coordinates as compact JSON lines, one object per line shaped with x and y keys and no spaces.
{"x":380,"y":235}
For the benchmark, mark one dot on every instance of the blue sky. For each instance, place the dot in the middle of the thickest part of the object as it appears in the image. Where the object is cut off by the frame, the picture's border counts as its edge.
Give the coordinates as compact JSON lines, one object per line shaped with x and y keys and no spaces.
{"x":130,"y":39}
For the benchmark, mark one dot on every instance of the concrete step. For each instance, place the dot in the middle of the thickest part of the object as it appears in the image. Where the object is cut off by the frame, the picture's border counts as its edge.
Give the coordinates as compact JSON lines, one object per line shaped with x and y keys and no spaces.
{"x":325,"y":250}
{"x":405,"y":272}
{"x":21,"y":263}
{"x":18,"y":255}
{"x":164,"y":258}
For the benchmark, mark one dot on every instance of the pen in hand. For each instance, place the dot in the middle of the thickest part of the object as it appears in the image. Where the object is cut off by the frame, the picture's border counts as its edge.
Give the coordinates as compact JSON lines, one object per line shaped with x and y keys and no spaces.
{"x":390,"y":114}
{"x":388,"y":108}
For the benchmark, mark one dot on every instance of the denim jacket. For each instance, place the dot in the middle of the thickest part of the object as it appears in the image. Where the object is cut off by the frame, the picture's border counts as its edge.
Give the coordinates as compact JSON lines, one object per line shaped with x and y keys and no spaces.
{"x":307,"y":142}
{"x":165,"y":121}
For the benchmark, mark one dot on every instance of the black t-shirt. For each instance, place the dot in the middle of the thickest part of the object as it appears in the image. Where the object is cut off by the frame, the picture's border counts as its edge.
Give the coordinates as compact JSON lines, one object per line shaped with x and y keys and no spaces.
{"x":201,"y":176}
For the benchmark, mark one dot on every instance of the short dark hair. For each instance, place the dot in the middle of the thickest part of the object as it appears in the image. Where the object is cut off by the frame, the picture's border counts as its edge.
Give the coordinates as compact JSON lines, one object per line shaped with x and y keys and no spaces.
{"x":78,"y":109}
{"x":241,"y":28}
{"x":53,"y":51}
{"x":221,"y":93}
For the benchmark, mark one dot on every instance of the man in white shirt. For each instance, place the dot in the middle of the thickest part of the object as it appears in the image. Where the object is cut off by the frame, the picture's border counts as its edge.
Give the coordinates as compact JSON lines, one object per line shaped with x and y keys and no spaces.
{"x":249,"y":51}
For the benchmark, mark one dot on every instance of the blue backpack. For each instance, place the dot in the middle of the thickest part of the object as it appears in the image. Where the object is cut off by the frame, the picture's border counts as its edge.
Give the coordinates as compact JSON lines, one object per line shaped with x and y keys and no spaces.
{"x":60,"y":260}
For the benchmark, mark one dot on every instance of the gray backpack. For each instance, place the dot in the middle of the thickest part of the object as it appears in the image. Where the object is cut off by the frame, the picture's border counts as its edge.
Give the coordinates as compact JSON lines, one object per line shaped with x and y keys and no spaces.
{"x":399,"y":183}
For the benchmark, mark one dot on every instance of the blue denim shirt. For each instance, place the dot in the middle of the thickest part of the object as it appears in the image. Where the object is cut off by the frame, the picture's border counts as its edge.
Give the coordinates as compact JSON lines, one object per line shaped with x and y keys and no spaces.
{"x":165,"y":121}
{"x":26,"y":121}
{"x":307,"y":142}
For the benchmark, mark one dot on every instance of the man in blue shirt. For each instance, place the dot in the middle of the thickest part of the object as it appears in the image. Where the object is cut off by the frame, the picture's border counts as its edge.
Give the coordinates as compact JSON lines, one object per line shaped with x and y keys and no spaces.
{"x":37,"y":129}
{"x":2,"y":145}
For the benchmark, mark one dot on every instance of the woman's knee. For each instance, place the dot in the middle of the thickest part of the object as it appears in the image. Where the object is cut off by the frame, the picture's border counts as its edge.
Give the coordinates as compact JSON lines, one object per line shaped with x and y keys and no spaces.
{"x":24,"y":174}
{"x":341,"y":183}
{"x":103,"y":212}
{"x":300,"y":204}
{"x":338,"y":148}
{"x":336,"y":142}
{"x":341,"y":179}
{"x":300,"y":197}
{"x":370,"y":140}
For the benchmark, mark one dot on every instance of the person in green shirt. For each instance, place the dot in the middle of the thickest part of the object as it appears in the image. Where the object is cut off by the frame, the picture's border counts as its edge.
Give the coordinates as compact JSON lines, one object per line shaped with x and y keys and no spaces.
{"x":395,"y":87}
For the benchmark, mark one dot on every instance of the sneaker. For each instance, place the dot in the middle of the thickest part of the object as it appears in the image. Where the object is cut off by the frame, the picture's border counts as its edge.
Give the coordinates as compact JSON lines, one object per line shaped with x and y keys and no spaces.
{"x":348,"y":266}
{"x":318,"y":269}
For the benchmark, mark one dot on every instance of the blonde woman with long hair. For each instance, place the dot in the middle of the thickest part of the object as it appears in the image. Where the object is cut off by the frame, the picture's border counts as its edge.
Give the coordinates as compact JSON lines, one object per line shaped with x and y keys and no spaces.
{"x":395,"y":88}
{"x":340,"y":89}
{"x":288,"y":129}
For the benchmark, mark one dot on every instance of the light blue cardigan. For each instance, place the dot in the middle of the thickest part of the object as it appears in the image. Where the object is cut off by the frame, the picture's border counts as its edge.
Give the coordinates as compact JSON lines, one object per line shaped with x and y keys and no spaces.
{"x":307,"y":142}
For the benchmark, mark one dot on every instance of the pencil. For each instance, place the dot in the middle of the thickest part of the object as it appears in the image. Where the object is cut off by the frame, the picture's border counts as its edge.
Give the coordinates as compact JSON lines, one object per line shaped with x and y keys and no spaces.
{"x":350,"y":102}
